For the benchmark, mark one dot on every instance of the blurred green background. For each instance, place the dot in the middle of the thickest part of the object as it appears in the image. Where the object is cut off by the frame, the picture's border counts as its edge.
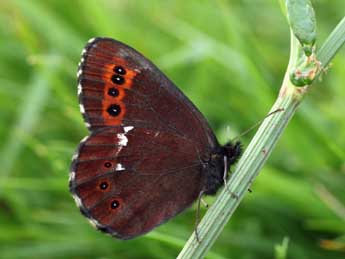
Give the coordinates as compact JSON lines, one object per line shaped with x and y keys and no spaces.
{"x":229,"y":58}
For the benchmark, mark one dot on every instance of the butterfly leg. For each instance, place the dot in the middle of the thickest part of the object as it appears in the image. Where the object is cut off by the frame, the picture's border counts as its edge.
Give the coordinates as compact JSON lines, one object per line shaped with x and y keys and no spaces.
{"x":225,"y":174}
{"x":234,"y":195}
{"x":197,"y":216}
{"x":204,"y":202}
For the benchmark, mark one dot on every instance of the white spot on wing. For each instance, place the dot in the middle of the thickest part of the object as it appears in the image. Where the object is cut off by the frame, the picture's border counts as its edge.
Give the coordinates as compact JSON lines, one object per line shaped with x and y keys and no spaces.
{"x":80,"y":63}
{"x":91,"y":40}
{"x":95,"y":223}
{"x":74,"y":157}
{"x":79,"y":89}
{"x":119,"y":167}
{"x":128,"y":128}
{"x":82,"y":110}
{"x":123,"y":140}
{"x":84,"y":139}
{"x":79,"y":72}
{"x":87,"y":125}
{"x":77,"y":200}
{"x":71,"y":176}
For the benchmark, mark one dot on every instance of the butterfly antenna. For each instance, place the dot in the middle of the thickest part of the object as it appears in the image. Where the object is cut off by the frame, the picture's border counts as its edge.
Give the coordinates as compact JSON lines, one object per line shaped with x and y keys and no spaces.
{"x":256,"y":124}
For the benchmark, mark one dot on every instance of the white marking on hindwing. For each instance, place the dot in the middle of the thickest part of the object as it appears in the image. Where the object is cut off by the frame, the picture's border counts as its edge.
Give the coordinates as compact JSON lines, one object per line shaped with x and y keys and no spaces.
{"x":71,"y":176}
{"x":128,"y":128}
{"x":84,"y":139}
{"x":123,"y":140}
{"x":119,"y":167}
{"x":95,"y":223}
{"x":75,"y":155}
{"x":79,"y":73}
{"x":82,"y":109}
{"x":79,"y":89}
{"x":77,"y":200}
{"x":81,"y":62}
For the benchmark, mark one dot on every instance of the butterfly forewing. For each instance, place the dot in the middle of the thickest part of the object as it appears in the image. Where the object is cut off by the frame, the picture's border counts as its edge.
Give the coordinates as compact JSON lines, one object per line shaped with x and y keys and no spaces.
{"x":118,"y":86}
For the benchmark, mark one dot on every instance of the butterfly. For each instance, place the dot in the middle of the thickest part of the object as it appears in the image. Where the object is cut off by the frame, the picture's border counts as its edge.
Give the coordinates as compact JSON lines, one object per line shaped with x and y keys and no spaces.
{"x":150,"y":153}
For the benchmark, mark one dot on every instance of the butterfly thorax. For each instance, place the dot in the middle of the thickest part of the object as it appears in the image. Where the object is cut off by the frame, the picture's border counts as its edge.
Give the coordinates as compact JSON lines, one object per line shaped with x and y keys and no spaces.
{"x":214,"y":167}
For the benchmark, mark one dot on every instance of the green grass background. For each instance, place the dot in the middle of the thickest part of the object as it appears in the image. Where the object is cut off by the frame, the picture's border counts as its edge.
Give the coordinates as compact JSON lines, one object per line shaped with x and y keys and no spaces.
{"x":229,"y":58}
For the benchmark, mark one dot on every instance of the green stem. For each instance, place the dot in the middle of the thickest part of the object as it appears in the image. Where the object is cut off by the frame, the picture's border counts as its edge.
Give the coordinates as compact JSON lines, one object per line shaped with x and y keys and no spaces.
{"x":247,"y":169}
{"x":332,"y":44}
{"x":257,"y":152}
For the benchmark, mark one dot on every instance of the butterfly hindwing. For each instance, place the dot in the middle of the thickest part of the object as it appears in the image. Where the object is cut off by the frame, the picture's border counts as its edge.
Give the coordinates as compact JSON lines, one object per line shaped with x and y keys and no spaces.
{"x":127,"y":184}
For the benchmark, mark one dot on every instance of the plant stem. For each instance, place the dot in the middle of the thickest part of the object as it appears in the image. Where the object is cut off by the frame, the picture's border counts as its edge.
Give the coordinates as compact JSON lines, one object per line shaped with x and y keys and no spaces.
{"x":332,"y":44}
{"x":247,"y":169}
{"x":257,"y":152}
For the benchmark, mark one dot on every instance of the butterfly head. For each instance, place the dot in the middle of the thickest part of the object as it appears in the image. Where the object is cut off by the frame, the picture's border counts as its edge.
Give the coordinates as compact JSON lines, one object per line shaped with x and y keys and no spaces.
{"x":232,"y":151}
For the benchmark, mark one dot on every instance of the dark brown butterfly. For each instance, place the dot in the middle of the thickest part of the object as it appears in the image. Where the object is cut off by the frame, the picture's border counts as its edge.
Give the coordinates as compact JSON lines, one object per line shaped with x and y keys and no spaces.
{"x":150,"y":153}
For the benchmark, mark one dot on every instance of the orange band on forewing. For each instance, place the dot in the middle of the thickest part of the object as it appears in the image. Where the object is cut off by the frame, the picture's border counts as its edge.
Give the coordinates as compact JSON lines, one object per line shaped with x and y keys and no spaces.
{"x":121,"y":88}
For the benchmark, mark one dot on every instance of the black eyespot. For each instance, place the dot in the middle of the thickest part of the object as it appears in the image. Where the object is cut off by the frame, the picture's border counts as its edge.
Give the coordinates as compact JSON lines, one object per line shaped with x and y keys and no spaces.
{"x":119,"y":80}
{"x":113,"y":92}
{"x":107,"y":164}
{"x":119,"y":70}
{"x":114,"y":204}
{"x":103,"y":185}
{"x":114,"y":110}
